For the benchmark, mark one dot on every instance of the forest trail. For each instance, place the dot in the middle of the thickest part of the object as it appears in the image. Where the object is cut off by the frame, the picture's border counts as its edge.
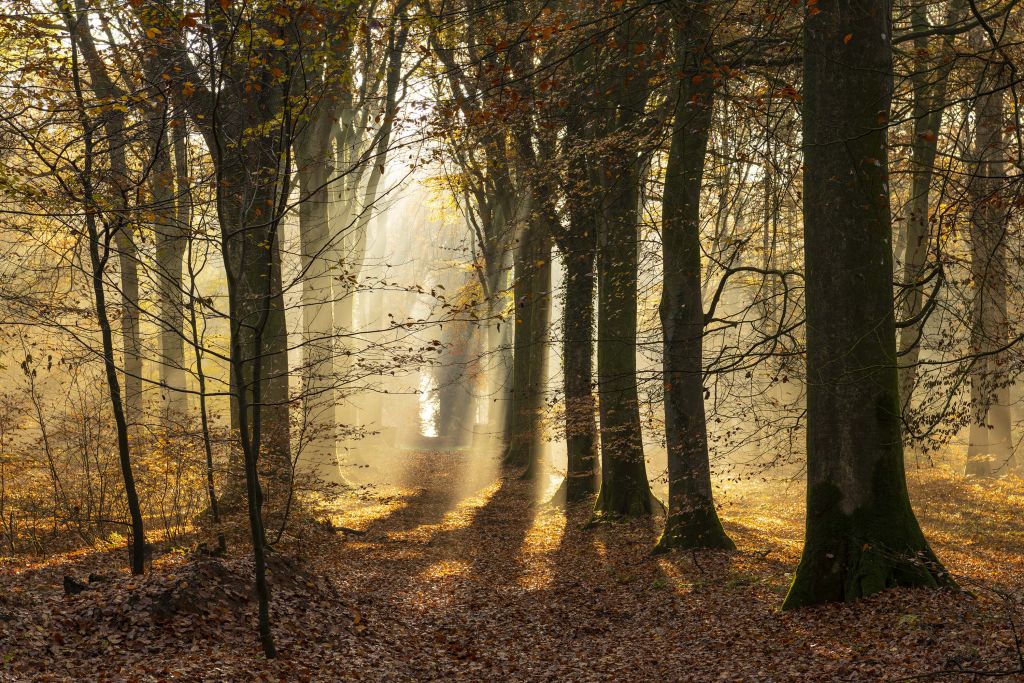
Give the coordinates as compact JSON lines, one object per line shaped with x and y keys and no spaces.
{"x":490,"y":585}
{"x":458,"y":574}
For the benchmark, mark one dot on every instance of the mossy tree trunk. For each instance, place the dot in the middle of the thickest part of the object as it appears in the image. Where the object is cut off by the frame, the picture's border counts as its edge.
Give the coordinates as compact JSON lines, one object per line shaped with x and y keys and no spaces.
{"x":692,"y":519}
{"x":861,"y":533}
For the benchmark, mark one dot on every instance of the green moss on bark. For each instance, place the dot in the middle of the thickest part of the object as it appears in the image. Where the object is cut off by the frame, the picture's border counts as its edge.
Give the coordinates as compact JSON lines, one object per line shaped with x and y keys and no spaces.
{"x":875,"y":547}
{"x":694,"y":529}
{"x":624,"y":498}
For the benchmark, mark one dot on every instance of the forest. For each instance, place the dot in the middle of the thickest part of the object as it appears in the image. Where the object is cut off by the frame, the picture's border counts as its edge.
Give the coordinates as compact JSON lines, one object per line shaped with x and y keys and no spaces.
{"x":522,"y":340}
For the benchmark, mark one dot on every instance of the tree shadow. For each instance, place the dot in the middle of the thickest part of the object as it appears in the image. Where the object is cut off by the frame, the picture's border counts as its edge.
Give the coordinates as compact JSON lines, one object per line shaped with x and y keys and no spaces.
{"x":438,"y":481}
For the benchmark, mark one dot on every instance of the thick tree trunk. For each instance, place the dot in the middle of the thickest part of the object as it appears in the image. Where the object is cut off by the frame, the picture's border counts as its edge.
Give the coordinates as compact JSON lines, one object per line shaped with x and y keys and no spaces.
{"x":692,"y":519}
{"x":529,"y":358}
{"x":617,"y":175}
{"x":861,"y":533}
{"x":252,"y":257}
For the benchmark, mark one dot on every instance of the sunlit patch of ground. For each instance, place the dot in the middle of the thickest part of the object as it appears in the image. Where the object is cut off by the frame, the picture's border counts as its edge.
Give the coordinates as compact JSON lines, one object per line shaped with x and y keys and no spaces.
{"x":458,"y":518}
{"x":542,"y":540}
{"x":461,"y":575}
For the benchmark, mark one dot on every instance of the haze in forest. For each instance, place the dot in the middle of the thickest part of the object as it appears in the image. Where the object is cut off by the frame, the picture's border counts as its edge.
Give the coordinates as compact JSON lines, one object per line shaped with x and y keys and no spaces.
{"x":480,"y":323}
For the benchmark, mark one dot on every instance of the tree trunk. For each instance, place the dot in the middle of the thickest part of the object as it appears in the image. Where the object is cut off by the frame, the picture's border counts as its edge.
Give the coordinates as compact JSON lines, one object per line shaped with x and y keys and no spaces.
{"x":318,"y":394}
{"x":692,"y":519}
{"x":577,"y":354}
{"x":617,"y":175}
{"x":529,"y":357}
{"x":861,"y":533}
{"x":625,"y":490}
{"x":252,"y":251}
{"x":170,"y":251}
{"x":928,"y":107}
{"x":454,"y":396}
{"x":99,"y":257}
{"x":990,"y":446}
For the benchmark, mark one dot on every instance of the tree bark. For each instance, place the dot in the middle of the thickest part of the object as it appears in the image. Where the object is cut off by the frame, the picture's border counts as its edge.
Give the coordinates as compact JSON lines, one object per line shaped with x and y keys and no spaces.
{"x":529,"y":358}
{"x":577,"y":353}
{"x":625,"y":490}
{"x":319,"y":395}
{"x":99,"y":257}
{"x":692,"y":519}
{"x":861,"y":533}
{"x":928,"y":107}
{"x":169,"y":235}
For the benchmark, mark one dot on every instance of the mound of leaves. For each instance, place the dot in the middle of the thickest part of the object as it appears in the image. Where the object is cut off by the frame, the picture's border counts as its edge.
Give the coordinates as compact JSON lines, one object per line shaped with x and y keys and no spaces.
{"x":89,"y":616}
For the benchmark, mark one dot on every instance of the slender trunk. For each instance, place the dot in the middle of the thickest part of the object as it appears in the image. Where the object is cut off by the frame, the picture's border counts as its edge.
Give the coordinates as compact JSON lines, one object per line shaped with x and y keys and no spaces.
{"x":250,"y":251}
{"x":99,"y":257}
{"x":929,"y":104}
{"x":692,"y":519}
{"x":577,"y":352}
{"x":169,"y":234}
{"x":117,"y":145}
{"x":249,"y":421}
{"x":990,"y":444}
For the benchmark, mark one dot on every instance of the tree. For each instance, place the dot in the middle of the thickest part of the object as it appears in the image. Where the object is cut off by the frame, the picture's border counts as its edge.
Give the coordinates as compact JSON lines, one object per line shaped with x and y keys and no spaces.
{"x":102,"y":228}
{"x":861,"y":533}
{"x":929,"y":79}
{"x":990,"y":445}
{"x":692,"y":519}
{"x":625,"y":490}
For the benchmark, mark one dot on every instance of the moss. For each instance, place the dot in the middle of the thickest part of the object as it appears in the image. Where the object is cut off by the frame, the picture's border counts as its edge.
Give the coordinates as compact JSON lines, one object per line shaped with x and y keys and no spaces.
{"x":697,"y":528}
{"x":850,"y":556}
{"x":624,"y":499}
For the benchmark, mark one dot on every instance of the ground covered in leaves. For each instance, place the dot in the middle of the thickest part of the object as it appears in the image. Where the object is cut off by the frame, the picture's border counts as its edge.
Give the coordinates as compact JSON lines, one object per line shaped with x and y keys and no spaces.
{"x":457,"y":574}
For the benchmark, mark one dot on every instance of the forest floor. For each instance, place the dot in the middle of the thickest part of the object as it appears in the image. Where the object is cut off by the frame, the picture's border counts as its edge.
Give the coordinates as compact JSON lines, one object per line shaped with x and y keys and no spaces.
{"x":458,"y":575}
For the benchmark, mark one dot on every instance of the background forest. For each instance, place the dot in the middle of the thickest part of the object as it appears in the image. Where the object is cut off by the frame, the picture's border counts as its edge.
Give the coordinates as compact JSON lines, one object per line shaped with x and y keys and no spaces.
{"x":455,"y":340}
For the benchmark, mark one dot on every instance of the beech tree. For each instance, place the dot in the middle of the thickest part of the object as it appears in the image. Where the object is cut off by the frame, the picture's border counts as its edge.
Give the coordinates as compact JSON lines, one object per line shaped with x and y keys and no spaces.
{"x":693,"y":521}
{"x":861,"y":534}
